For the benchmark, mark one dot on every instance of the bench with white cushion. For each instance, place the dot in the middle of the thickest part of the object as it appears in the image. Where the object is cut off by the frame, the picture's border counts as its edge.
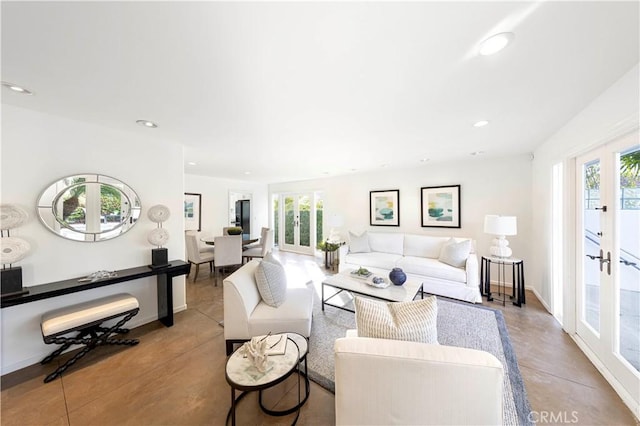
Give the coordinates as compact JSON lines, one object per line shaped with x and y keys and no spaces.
{"x":86,"y":319}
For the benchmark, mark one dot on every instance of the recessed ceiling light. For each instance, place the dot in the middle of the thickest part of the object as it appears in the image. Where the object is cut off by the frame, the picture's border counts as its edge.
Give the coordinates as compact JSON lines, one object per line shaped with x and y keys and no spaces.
{"x":477,"y":153}
{"x":480,"y":123}
{"x":247,"y":173}
{"x":424,"y":160}
{"x":16,"y":88}
{"x":495,"y":43}
{"x":147,"y":123}
{"x":191,"y":163}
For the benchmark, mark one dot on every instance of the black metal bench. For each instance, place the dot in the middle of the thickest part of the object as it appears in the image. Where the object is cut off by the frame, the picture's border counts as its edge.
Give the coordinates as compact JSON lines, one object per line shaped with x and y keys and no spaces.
{"x":86,"y":319}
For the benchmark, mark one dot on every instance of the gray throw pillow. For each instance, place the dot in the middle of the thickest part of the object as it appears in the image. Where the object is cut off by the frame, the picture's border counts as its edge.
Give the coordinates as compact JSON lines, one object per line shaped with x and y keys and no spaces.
{"x":359,"y":243}
{"x":455,"y":254}
{"x":271,"y":280}
{"x":414,"y":321}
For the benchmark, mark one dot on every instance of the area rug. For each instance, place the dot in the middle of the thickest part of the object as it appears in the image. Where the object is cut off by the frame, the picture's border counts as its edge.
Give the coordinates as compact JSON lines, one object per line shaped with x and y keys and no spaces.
{"x":459,"y":324}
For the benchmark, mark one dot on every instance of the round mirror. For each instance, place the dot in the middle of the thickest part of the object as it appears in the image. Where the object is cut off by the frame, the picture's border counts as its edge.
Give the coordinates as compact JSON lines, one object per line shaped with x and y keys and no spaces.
{"x":89,"y":207}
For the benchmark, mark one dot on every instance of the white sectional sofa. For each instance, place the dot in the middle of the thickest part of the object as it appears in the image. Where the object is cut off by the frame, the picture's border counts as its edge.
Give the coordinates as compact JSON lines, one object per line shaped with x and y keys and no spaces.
{"x":418,"y":256}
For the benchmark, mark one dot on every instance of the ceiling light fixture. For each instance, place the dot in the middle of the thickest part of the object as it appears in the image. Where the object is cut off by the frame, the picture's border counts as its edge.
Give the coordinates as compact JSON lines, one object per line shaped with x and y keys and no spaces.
{"x":147,"y":123}
{"x":495,"y":43}
{"x":247,"y":173}
{"x":191,"y":163}
{"x":477,"y":153}
{"x":424,"y":160}
{"x":16,"y":88}
{"x":480,"y":123}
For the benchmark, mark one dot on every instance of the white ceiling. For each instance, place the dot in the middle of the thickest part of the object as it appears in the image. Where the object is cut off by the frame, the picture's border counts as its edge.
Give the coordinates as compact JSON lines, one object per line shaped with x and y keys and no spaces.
{"x":290,"y":91}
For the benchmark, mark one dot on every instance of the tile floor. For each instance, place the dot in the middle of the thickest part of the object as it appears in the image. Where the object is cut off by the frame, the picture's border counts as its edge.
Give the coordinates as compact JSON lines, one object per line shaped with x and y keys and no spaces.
{"x":176,"y":375}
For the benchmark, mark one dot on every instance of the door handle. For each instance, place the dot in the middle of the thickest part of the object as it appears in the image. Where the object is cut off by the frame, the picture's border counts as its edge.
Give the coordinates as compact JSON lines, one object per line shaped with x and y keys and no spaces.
{"x":602,"y":260}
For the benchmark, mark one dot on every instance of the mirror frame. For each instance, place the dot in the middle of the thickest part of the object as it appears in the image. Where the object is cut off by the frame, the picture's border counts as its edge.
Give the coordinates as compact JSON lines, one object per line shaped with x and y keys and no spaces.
{"x":49,"y":202}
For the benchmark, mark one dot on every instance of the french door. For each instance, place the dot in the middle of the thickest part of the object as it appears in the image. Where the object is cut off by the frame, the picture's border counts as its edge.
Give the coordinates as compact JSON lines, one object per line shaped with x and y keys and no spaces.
{"x":608,"y":258}
{"x":298,"y":217}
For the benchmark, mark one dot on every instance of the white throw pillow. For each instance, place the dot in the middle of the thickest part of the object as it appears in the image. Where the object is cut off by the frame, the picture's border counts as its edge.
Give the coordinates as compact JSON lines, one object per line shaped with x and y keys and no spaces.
{"x":413,"y":321}
{"x":455,"y":254}
{"x":271,"y":281}
{"x":359,"y":243}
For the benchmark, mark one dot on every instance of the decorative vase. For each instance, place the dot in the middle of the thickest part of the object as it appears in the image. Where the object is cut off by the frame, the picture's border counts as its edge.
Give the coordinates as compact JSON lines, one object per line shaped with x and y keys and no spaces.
{"x":397,"y":276}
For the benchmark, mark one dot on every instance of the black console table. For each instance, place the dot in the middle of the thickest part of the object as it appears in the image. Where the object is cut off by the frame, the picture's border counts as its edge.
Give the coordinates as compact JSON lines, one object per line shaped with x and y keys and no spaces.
{"x":164,"y":277}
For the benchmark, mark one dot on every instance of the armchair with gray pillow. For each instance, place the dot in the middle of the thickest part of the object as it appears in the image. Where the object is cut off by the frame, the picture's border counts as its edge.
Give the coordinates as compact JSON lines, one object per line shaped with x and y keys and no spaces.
{"x":258,"y":301}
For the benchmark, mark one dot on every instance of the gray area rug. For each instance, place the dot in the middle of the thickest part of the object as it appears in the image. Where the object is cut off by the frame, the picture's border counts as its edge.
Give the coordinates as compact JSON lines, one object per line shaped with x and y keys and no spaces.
{"x":459,"y":324}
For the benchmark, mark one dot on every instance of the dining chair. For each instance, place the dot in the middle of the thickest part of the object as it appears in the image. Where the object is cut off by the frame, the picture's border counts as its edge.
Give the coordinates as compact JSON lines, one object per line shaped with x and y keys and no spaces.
{"x":227,"y":251}
{"x":194,"y":255}
{"x":266,"y":241}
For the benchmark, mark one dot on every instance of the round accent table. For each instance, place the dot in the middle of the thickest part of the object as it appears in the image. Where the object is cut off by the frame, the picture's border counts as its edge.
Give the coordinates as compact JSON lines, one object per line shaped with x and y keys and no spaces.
{"x":243,"y":376}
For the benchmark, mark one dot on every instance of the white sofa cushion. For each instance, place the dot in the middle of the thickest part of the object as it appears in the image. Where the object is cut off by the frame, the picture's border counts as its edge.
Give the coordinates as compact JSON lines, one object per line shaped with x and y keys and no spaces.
{"x":423,"y":245}
{"x":431,"y":268}
{"x":359,"y":243}
{"x":373,"y":259}
{"x":271,"y":280}
{"x":455,"y":253}
{"x":413,"y":321}
{"x":386,"y":242}
{"x":294,"y":315}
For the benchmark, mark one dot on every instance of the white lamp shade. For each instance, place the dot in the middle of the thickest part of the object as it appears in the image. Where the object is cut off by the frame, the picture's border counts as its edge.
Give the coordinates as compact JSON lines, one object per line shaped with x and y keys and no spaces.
{"x":500,"y":225}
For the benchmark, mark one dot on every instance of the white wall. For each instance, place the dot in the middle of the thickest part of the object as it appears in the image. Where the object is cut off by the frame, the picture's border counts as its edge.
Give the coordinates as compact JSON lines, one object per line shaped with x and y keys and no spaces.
{"x":611,"y":115}
{"x":38,"y":149}
{"x":488,"y":186}
{"x":215,"y":202}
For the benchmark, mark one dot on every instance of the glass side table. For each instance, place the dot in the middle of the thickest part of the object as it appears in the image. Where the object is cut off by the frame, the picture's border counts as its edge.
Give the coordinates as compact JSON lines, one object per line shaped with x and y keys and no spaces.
{"x":243,"y":376}
{"x":517,"y":281}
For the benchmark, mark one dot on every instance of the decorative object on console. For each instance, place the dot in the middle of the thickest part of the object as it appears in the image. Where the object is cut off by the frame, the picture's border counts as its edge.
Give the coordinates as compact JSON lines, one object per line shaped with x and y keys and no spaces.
{"x":397,"y":276}
{"x":384,"y":208}
{"x":500,"y":226}
{"x":12,"y":250}
{"x":440,"y":206}
{"x":97,"y":276}
{"x":159,"y":236}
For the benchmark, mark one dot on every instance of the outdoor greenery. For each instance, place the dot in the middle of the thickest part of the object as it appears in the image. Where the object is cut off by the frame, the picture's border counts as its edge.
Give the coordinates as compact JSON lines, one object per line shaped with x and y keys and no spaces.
{"x":305,"y":221}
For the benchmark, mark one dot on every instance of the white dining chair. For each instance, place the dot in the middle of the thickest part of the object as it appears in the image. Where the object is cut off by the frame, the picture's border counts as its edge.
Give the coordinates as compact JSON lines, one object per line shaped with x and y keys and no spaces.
{"x":227,"y":251}
{"x":194,"y":255}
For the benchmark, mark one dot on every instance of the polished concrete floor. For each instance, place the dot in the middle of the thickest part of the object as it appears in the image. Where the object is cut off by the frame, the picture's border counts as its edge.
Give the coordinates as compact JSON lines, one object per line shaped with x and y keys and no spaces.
{"x":175,"y":376}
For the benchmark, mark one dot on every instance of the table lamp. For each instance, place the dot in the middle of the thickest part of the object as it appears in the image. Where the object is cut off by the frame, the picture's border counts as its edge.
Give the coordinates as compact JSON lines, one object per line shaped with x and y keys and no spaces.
{"x":500,"y":226}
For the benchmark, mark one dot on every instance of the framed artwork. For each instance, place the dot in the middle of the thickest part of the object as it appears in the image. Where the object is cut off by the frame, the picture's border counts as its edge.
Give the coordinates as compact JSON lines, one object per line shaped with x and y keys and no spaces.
{"x":440,"y":206}
{"x":384,"y":208}
{"x":192,"y":211}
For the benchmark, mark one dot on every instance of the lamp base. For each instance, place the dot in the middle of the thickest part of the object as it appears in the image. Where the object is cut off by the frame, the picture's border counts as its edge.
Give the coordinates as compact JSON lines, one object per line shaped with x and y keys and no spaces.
{"x":159,"y":258}
{"x":500,"y":247}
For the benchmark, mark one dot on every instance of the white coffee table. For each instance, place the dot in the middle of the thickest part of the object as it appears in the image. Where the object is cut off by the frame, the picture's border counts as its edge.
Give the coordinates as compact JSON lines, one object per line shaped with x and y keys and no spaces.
{"x":344,"y":282}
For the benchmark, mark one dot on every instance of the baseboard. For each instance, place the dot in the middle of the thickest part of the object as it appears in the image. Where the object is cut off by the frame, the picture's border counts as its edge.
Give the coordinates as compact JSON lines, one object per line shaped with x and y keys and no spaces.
{"x":540,"y":299}
{"x":628,"y":400}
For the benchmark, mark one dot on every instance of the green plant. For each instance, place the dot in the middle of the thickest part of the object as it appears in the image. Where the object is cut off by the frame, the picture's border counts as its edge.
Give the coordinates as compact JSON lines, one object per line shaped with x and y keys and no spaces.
{"x":327,"y":246}
{"x":234,"y":230}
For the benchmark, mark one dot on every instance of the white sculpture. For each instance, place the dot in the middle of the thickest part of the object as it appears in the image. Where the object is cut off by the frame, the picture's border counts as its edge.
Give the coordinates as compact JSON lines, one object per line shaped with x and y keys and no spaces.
{"x":256,"y":351}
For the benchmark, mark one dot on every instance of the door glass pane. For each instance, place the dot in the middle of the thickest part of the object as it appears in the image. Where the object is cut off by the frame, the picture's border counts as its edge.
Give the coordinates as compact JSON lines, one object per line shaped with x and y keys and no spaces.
{"x":629,"y":255}
{"x":289,"y":221}
{"x":591,"y":235}
{"x":276,"y":219}
{"x":319,"y":219}
{"x":304,"y":208}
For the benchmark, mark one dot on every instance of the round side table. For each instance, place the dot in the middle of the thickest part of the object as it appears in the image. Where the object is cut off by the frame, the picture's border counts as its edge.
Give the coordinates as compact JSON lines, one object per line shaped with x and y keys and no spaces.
{"x":243,"y":376}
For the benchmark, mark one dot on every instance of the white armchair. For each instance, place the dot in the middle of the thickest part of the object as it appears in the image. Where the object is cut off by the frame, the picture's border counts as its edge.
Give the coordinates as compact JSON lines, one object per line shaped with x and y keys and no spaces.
{"x":385,"y":382}
{"x":246,"y":315}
